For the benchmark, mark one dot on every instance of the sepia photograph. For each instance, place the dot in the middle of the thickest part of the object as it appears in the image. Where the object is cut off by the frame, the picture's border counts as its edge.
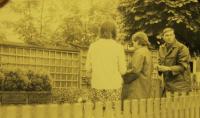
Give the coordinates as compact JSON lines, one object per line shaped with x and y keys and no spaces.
{"x":99,"y":59}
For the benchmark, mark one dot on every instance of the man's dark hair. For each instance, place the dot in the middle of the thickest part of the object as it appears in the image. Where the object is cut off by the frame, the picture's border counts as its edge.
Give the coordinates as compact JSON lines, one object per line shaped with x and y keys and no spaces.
{"x":167,"y":29}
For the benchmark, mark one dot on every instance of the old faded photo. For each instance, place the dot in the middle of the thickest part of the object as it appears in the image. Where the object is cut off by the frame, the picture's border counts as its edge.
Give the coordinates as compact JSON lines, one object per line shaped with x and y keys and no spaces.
{"x":99,"y":59}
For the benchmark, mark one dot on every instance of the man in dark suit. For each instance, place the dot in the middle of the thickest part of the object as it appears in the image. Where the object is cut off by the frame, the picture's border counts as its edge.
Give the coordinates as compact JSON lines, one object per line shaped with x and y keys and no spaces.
{"x":174,"y":60}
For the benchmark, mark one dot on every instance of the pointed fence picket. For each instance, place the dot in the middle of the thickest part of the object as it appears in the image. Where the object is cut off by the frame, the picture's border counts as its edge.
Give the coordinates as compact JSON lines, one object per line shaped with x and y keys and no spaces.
{"x":173,"y":106}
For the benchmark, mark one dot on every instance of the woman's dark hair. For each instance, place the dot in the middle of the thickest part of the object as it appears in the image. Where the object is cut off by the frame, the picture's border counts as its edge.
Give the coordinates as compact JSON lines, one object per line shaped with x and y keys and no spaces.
{"x":108,"y":30}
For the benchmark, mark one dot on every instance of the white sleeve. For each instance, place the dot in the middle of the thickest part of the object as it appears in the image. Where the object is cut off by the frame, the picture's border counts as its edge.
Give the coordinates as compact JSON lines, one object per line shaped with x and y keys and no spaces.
{"x":88,"y":65}
{"x":122,"y":61}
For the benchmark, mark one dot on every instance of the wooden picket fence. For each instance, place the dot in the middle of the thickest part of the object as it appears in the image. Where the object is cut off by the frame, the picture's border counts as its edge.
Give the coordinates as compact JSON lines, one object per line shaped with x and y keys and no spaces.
{"x":182,"y":106}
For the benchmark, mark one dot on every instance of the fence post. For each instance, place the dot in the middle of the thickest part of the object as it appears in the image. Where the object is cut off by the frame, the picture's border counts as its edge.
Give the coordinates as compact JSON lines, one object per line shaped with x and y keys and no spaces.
{"x":11,"y":111}
{"x":169,"y":106}
{"x":117,"y":109}
{"x":142,"y":108}
{"x":88,"y":110}
{"x":1,"y":111}
{"x":192,"y":104}
{"x":98,"y":111}
{"x":150,"y":108}
{"x":198,"y":102}
{"x":197,"y":106}
{"x":176,"y":105}
{"x":163,"y":108}
{"x":182,"y":105}
{"x":77,"y":110}
{"x":127,"y":111}
{"x":64,"y":111}
{"x":52,"y":111}
{"x":39,"y":111}
{"x":26,"y":110}
{"x":157,"y":108}
{"x":108,"y":112}
{"x":187,"y":106}
{"x":135,"y":108}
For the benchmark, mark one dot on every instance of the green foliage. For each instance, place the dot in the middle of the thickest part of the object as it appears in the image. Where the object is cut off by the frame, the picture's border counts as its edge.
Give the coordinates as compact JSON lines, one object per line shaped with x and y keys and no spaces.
{"x":28,"y":31}
{"x":16,"y":79}
{"x":152,"y":16}
{"x":81,"y":26}
{"x":31,"y":26}
{"x":61,"y":23}
{"x":40,"y":81}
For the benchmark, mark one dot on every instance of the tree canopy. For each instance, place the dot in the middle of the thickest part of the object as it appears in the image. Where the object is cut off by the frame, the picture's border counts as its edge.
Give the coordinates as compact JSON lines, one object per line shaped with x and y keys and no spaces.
{"x":57,"y":23}
{"x":152,"y":16}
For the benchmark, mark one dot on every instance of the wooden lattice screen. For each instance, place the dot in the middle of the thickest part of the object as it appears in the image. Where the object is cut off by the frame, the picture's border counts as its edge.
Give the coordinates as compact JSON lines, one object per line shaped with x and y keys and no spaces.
{"x":62,"y":64}
{"x":66,"y":66}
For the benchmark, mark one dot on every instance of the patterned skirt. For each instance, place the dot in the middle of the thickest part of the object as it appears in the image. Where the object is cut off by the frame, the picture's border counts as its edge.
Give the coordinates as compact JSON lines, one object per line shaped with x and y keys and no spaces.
{"x":104,"y":95}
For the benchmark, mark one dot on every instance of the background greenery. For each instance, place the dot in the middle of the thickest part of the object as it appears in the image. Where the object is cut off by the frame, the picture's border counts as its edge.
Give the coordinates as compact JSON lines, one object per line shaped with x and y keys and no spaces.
{"x":152,"y":16}
{"x":58,"y":23}
{"x":16,"y":79}
{"x":76,"y":23}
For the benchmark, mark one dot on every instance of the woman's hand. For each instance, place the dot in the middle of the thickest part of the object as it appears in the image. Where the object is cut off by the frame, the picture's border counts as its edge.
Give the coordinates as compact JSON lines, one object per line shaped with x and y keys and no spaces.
{"x":129,"y":71}
{"x":162,"y":68}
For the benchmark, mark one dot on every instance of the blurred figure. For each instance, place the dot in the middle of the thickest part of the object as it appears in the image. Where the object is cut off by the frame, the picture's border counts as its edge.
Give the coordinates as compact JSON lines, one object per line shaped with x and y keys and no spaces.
{"x":141,"y":68}
{"x":174,"y":60}
{"x":3,"y":3}
{"x":106,"y":63}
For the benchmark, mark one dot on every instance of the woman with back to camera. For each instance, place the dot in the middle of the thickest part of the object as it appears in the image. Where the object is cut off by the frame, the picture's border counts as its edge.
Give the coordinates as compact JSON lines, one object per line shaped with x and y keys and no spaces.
{"x":106,"y":63}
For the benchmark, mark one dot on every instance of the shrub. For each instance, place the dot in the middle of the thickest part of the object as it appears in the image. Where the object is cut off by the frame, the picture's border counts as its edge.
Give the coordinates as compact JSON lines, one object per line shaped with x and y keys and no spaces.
{"x":15,"y":79}
{"x":40,"y":81}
